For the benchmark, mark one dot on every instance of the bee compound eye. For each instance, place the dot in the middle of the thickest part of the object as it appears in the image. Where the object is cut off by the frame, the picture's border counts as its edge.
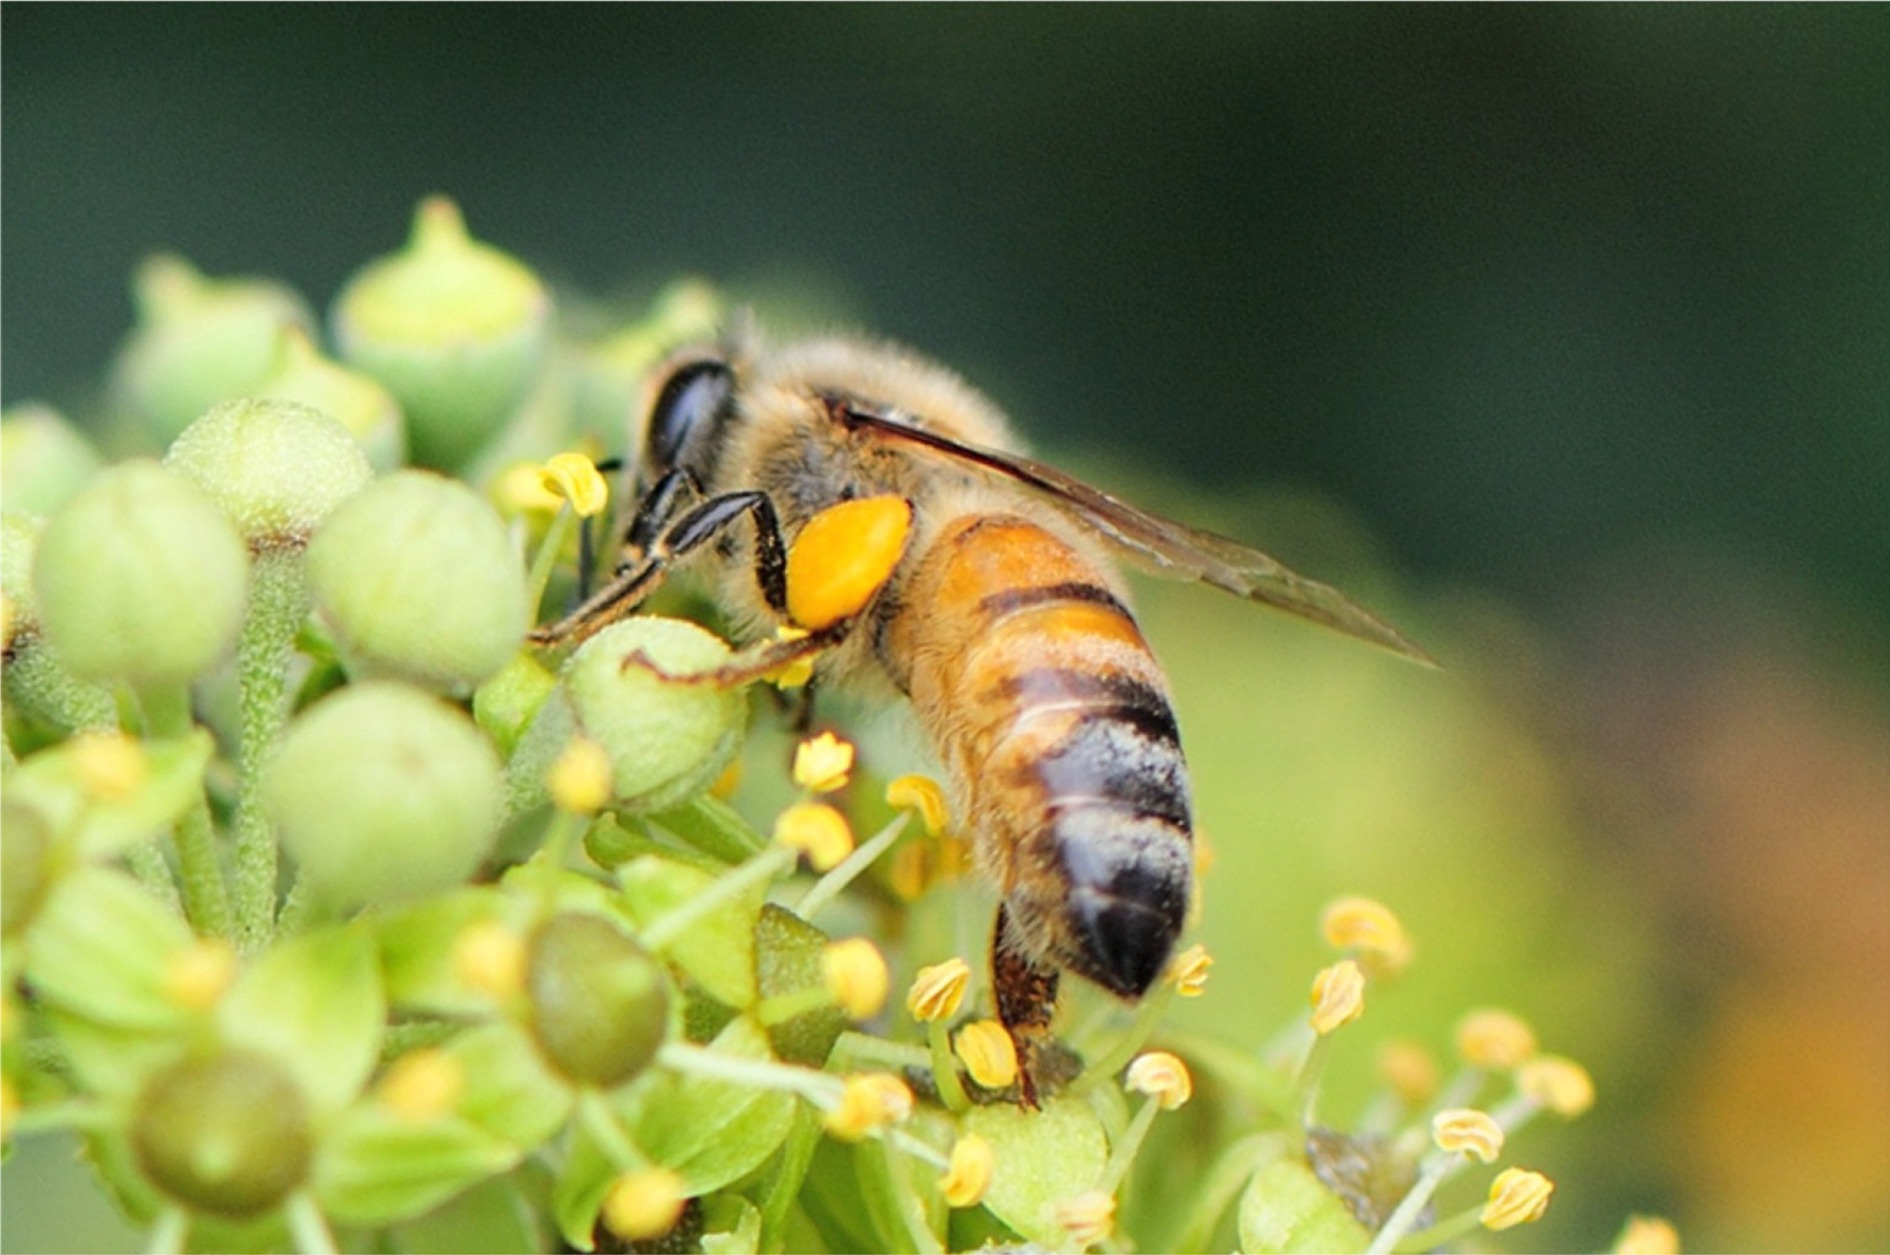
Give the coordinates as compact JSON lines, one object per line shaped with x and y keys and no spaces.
{"x":694,"y":397}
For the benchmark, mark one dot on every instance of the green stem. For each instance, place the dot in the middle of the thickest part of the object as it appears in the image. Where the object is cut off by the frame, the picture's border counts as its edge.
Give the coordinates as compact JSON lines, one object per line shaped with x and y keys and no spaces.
{"x":797,"y":1156}
{"x":1122,"y":1155}
{"x":199,"y":862}
{"x":170,"y":1232}
{"x":147,"y":863}
{"x":783,"y":1007}
{"x":82,"y":1115}
{"x":1147,"y":1017}
{"x":547,"y":556}
{"x":1412,"y":1205}
{"x":830,"y":886}
{"x":758,"y":870}
{"x":1306,"y":1084}
{"x":309,"y":1229}
{"x":601,"y":1123}
{"x":945,"y":1067}
{"x":278,"y":602}
{"x":1226,"y":1176}
{"x":37,"y":680}
{"x":1442,"y":1233}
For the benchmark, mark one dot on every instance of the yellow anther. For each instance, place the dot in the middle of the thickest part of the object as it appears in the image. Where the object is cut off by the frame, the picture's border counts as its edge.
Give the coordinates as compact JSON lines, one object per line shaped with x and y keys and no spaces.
{"x":797,"y":673}
{"x":938,"y":991}
{"x":1467,"y":1131}
{"x":1189,"y":971}
{"x":9,"y":1107}
{"x":726,"y":783}
{"x":573,"y":477}
{"x":490,"y":957}
{"x":644,"y":1204}
{"x":969,"y":1176}
{"x":1647,"y":1235}
{"x":111,"y":765}
{"x":1494,"y":1039}
{"x":1517,"y":1196}
{"x":580,"y":780}
{"x":1087,"y":1218}
{"x":1561,"y":1085}
{"x":1370,"y":929}
{"x":521,"y":490}
{"x":1410,"y":1071}
{"x":816,"y":830}
{"x":843,"y":556}
{"x":422,"y":1085}
{"x":855,"y":976}
{"x":821,"y":763}
{"x":199,"y":973}
{"x":1161,"y":1076}
{"x":988,"y":1053}
{"x":868,"y":1102}
{"x":921,"y":794}
{"x":1338,"y":996}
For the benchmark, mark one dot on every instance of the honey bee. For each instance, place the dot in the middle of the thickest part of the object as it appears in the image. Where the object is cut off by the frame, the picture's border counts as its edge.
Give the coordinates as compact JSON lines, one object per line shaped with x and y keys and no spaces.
{"x":1003,"y":620}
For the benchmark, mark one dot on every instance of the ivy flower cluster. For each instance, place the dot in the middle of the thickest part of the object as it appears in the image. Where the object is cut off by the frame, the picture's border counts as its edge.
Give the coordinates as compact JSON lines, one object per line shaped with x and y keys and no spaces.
{"x":336,"y":915}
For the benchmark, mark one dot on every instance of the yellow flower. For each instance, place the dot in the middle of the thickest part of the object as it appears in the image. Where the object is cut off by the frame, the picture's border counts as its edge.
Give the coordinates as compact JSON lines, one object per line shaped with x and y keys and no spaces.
{"x":795,"y":674}
{"x":111,"y":765}
{"x":422,"y":1085}
{"x":1410,"y":1071}
{"x":1647,"y":1235}
{"x":988,"y":1053}
{"x":1189,"y":971}
{"x":490,"y":957}
{"x":969,"y":1176}
{"x":579,"y":780}
{"x":1517,"y":1196}
{"x":1162,"y":1077}
{"x":1368,"y":927}
{"x":1087,"y":1218}
{"x":1495,"y":1039}
{"x":856,"y":976}
{"x":1561,"y":1085}
{"x":197,"y":976}
{"x":574,"y":478}
{"x":644,"y":1204}
{"x":921,"y":794}
{"x":869,"y":1101}
{"x":821,"y":763}
{"x":1466,"y":1131}
{"x":816,"y":830}
{"x":1338,"y":996}
{"x":938,"y":991}
{"x":521,"y":490}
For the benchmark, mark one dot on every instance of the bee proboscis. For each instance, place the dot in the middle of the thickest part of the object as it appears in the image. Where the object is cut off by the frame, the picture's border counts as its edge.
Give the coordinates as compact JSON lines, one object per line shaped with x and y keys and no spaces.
{"x":1004,"y":622}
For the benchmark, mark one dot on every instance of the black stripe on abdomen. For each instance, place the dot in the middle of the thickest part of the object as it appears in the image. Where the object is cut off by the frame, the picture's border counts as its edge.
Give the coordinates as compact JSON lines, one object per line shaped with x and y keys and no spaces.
{"x":1107,"y":760}
{"x":1120,"y":697}
{"x":999,"y":604}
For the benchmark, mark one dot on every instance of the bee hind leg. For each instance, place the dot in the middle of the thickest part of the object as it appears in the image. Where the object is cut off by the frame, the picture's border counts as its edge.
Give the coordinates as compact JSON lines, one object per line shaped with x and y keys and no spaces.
{"x":1026,"y":1000}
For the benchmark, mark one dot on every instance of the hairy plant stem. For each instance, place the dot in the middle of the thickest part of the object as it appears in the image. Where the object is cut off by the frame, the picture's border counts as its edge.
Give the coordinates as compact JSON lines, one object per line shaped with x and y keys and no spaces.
{"x":278,"y":602}
{"x":199,"y":862}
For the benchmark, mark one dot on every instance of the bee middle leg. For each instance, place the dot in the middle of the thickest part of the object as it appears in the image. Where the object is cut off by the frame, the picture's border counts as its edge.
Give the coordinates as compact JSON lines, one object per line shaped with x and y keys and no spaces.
{"x":1026,"y":1000}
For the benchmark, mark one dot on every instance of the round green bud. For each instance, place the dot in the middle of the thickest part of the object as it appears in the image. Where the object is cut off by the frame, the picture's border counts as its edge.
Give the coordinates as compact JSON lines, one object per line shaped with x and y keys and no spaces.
{"x":419,"y":581}
{"x":382,"y":792}
{"x":457,"y":330}
{"x":19,"y":538}
{"x":277,"y":468}
{"x":366,"y":409}
{"x":140,"y":578}
{"x":600,"y":1003}
{"x":666,"y":738}
{"x":199,"y":341}
{"x":43,"y":459}
{"x":228,"y":1134}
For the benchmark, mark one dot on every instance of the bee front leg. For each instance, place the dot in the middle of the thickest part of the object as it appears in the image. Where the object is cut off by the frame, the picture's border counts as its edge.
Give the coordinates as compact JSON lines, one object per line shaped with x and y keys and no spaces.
{"x":1026,"y":1000}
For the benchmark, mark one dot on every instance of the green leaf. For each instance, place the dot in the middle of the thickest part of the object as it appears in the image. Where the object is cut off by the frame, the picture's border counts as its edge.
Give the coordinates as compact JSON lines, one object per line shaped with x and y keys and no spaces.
{"x":718,"y":950}
{"x":711,"y":1131}
{"x":787,"y":960}
{"x":731,"y":1226}
{"x":416,"y":948}
{"x":374,"y":1168}
{"x":113,"y":1062}
{"x":1043,"y":1159}
{"x":314,"y":1003}
{"x":714,"y":827}
{"x":1286,"y":1209}
{"x":102,"y":828}
{"x":491,"y":1218}
{"x":100,"y":949}
{"x":510,"y":1093}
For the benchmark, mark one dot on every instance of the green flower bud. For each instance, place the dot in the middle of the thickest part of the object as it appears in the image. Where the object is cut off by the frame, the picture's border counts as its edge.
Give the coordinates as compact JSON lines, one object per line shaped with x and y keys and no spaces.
{"x":366,"y":409}
{"x":199,"y":341}
{"x":420,"y":582}
{"x":228,"y":1134}
{"x":667,"y":739}
{"x":609,"y":377}
{"x":505,"y":705}
{"x":140,"y":578}
{"x":381,"y":792}
{"x":43,"y":459}
{"x":458,"y":331}
{"x":600,"y":1003}
{"x":36,"y":679}
{"x":19,"y":537}
{"x":277,"y":468}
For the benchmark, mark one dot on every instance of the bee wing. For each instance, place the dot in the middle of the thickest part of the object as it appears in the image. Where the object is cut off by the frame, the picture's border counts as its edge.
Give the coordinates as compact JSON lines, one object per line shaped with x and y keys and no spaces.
{"x":1164,"y":546}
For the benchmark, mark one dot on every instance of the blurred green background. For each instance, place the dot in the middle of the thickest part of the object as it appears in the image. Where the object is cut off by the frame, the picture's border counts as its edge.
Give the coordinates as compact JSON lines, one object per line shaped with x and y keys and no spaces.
{"x":1559,"y":334}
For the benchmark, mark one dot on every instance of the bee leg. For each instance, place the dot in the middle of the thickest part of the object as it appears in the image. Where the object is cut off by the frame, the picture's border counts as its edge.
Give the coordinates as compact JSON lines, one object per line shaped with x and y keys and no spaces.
{"x":1026,"y":999}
